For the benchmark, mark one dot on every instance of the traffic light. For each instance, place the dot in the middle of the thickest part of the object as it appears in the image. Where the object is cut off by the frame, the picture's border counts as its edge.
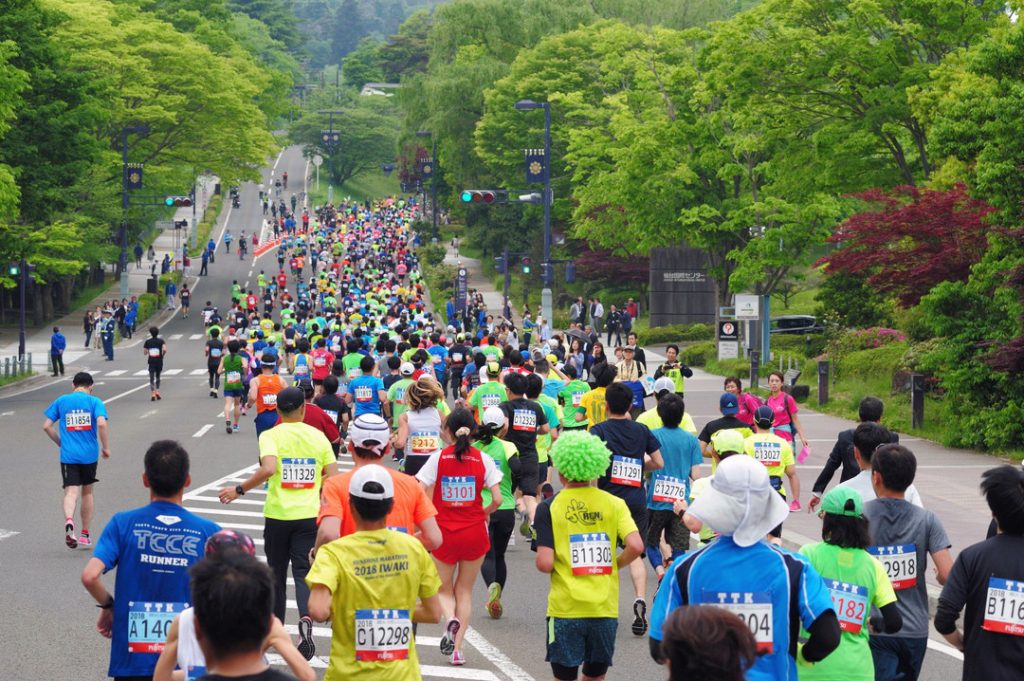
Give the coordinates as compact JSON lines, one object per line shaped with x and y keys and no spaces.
{"x":484,"y":196}
{"x":14,"y":269}
{"x":178,"y":201}
{"x":570,"y":273}
{"x":547,"y":274}
{"x":526,"y":264}
{"x":499,"y":264}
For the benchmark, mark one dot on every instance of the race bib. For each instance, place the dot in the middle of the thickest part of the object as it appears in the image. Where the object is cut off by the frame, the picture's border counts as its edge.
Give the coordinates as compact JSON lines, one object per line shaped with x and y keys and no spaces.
{"x":332,"y":414}
{"x":355,"y":373}
{"x":319,"y":361}
{"x":626,"y":471}
{"x":77,"y":420}
{"x":850,"y":602}
{"x":298,"y":473}
{"x":270,"y":399}
{"x":335,"y":348}
{"x":900,"y":564}
{"x":383,"y":635}
{"x":524,"y":419}
{"x":216,"y":352}
{"x":668,"y":489}
{"x":1004,"y":607}
{"x":458,"y":490}
{"x":590,"y":554}
{"x":456,"y":357}
{"x":154,"y":352}
{"x":754,"y":608}
{"x":768,"y":453}
{"x":577,"y":398}
{"x":301,"y":370}
{"x":490,"y":400}
{"x":236,"y":377}
{"x":424,"y":442}
{"x":363,"y":394}
{"x":435,"y":359}
{"x":148,"y":624}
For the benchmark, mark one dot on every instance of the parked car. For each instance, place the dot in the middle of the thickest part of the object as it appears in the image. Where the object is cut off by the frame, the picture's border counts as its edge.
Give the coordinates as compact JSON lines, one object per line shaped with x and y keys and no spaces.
{"x":796,"y":324}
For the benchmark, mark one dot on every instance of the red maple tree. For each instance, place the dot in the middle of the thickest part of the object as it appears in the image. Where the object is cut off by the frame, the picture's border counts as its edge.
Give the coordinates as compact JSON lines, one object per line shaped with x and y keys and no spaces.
{"x":599,"y":264}
{"x":916,"y":239}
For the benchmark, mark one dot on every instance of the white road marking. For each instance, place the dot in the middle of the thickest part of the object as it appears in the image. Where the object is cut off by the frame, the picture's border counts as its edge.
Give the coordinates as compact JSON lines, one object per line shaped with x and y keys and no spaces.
{"x":202,"y":431}
{"x":197,"y":372}
{"x":195,"y":336}
{"x":116,"y":372}
{"x":7,"y":413}
{"x":172,"y":372}
{"x":940,"y":647}
{"x":7,"y":534}
{"x":141,"y":372}
{"x":148,"y":414}
{"x":125,"y":393}
{"x":175,"y":336}
{"x":215,"y":500}
{"x":250,"y":273}
{"x":496,"y":657}
{"x":224,"y":511}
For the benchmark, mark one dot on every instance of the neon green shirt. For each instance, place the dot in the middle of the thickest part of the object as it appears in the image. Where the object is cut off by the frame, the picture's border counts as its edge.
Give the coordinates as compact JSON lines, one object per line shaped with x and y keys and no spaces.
{"x":501,"y":452}
{"x":302,"y":452}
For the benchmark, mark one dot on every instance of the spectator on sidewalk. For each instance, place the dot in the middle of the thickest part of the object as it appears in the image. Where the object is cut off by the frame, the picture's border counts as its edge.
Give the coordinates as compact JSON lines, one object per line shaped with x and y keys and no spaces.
{"x":151,"y":255}
{"x":633,"y":310}
{"x":88,"y":325}
{"x":614,"y":326}
{"x":138,"y":255}
{"x":57,"y":345}
{"x":206,"y":261}
{"x":172,"y":292}
{"x":165,"y":264}
{"x":596,"y":315}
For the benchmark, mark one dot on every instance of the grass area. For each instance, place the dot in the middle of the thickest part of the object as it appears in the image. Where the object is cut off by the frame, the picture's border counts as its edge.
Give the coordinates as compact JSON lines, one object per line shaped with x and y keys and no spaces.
{"x":802,"y":302}
{"x":8,"y":380}
{"x":368,"y":185}
{"x":90,"y":293}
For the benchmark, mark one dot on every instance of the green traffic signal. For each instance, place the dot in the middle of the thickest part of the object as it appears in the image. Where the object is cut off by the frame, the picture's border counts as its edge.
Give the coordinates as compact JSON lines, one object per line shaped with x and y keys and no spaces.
{"x":14,"y":270}
{"x":467,"y":196}
{"x":169,"y":201}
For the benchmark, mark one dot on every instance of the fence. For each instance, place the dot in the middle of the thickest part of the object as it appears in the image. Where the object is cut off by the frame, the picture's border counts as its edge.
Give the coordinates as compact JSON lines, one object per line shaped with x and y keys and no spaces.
{"x":17,"y":366}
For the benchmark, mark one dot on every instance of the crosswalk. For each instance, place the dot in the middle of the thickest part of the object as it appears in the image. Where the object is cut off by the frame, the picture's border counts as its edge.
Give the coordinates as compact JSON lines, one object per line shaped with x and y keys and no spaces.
{"x":246,"y":515}
{"x":114,"y":373}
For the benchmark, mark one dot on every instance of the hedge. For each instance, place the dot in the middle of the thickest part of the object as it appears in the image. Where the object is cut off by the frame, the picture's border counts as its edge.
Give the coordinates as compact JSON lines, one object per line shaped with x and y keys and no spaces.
{"x":678,"y":333}
{"x":205,"y":227}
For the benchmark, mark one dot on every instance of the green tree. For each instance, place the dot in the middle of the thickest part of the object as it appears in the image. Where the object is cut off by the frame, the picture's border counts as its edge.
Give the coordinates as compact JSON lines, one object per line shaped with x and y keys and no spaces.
{"x":12,"y":82}
{"x":362,"y":65}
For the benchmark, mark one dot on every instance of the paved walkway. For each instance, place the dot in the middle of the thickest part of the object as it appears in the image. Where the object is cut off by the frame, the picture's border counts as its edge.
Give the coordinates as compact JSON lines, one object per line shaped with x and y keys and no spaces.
{"x":493,"y":299}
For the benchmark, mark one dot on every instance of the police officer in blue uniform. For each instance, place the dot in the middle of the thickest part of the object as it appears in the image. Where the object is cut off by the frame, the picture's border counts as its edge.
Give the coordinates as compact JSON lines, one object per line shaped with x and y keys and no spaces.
{"x":107,"y":326}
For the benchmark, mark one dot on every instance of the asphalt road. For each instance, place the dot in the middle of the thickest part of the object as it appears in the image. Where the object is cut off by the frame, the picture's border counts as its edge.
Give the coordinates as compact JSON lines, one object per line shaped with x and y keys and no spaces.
{"x":44,"y":603}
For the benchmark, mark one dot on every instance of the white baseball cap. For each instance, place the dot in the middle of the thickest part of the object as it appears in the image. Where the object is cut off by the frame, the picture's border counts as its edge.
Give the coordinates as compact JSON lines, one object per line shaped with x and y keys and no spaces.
{"x":371,"y":482}
{"x":493,"y":416}
{"x":664,"y":383}
{"x":407,"y":369}
{"x":370,"y":428}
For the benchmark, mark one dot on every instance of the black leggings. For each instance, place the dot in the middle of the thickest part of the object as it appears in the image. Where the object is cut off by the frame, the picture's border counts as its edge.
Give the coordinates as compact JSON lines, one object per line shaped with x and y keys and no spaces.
{"x":214,"y":376}
{"x":289,"y":541}
{"x":154,"y":375}
{"x":500,"y":529}
{"x":590,"y":670}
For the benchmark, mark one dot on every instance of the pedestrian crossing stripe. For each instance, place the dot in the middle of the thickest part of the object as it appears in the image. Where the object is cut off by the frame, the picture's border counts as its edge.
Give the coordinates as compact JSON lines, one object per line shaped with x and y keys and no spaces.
{"x":172,"y":372}
{"x":143,"y":372}
{"x":197,"y":372}
{"x":175,"y":336}
{"x":195,"y":336}
{"x":115,"y":372}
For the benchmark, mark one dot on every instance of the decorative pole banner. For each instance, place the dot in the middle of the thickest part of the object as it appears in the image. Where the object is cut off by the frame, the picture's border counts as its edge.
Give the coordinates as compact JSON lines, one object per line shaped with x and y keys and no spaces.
{"x":133,"y":176}
{"x":426,"y":168}
{"x":536,"y":165}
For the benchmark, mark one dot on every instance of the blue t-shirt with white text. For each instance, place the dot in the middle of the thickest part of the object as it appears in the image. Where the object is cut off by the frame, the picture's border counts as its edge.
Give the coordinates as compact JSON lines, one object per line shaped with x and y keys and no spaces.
{"x":365,"y":395}
{"x":77,"y":414}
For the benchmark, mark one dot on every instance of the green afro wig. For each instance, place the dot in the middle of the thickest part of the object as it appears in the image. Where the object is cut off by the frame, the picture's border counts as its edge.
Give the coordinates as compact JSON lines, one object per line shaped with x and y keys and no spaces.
{"x":580,"y":456}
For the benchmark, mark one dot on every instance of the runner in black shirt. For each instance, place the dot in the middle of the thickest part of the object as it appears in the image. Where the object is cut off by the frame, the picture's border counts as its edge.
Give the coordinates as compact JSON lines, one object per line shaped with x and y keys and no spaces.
{"x":729,"y":406}
{"x":154,"y":349}
{"x":526,"y":420}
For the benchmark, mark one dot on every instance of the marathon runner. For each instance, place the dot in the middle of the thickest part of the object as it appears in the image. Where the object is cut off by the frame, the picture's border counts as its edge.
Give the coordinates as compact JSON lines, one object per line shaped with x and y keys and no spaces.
{"x":154,"y":349}
{"x":77,"y":424}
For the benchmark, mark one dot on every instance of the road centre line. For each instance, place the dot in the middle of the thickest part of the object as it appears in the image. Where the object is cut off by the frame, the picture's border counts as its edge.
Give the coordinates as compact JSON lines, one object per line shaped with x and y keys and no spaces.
{"x":202,"y":431}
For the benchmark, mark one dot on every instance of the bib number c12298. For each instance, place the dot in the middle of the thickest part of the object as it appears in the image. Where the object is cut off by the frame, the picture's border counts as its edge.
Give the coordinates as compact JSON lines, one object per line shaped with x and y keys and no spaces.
{"x":383,"y":635}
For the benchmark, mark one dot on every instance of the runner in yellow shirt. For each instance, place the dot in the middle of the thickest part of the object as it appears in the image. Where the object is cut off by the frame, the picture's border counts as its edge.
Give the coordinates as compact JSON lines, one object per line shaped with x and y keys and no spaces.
{"x":593,"y":402}
{"x":777,"y":456}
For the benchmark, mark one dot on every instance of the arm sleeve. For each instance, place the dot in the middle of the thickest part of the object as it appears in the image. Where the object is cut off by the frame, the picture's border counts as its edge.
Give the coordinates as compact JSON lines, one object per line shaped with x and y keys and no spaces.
{"x":512,"y":459}
{"x":823,"y":637}
{"x":542,"y":524}
{"x":953,"y":597}
{"x":892,"y":620}
{"x":52,"y":412}
{"x":884,"y":593}
{"x":542,"y":416}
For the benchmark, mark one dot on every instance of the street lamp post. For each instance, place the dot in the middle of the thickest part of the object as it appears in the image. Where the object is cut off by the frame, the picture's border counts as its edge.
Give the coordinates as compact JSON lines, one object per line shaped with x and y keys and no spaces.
{"x":545,"y":295}
{"x":433,"y":179}
{"x":142,"y":130}
{"x":331,"y":139}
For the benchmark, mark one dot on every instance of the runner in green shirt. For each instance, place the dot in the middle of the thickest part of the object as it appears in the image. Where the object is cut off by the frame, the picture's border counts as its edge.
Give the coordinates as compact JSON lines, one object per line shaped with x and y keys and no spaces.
{"x":570,"y":397}
{"x":489,"y":394}
{"x":503,"y":520}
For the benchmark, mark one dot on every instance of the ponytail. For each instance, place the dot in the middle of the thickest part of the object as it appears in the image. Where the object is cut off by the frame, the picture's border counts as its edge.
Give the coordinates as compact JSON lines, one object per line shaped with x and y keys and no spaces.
{"x":486,"y":432}
{"x":461,"y":425}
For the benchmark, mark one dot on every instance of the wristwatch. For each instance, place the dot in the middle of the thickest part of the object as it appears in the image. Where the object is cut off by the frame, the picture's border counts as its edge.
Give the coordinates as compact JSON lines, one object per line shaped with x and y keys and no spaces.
{"x":239,"y":490}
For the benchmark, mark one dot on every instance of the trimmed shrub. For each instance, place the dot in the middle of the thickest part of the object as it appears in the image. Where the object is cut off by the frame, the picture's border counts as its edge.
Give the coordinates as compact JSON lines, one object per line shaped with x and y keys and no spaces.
{"x":678,"y":333}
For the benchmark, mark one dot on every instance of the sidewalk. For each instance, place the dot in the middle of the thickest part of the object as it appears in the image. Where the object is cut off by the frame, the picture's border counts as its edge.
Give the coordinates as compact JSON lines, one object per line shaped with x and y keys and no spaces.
{"x":37,"y":340}
{"x":493,"y":299}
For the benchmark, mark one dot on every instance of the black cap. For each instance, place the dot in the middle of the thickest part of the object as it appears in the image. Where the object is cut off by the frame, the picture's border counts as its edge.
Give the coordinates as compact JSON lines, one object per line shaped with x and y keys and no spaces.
{"x":290,"y":399}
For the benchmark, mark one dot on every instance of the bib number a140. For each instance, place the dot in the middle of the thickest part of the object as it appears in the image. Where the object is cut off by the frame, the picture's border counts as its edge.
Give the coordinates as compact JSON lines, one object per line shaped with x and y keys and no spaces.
{"x":590,"y":554}
{"x":754,"y":608}
{"x":298,"y":473}
{"x":626,"y":471}
{"x":900,"y":563}
{"x":850,"y":601}
{"x":148,"y":624}
{"x":382,"y":635}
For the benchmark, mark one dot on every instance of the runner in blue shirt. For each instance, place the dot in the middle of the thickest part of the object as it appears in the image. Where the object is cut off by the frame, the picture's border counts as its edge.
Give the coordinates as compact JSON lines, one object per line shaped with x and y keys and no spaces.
{"x":680,"y":451}
{"x":152,"y":548}
{"x":77,"y":423}
{"x":367,"y":392}
{"x":772,"y":590}
{"x":438,"y":358}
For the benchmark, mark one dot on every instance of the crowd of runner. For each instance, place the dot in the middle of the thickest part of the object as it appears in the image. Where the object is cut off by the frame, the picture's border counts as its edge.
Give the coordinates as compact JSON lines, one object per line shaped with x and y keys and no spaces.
{"x":461,"y":435}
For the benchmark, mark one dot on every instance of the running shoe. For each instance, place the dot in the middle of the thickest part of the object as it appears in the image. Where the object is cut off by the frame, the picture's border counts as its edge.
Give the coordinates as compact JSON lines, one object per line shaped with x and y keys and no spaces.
{"x":307,"y":647}
{"x":213,"y":393}
{"x":235,"y":427}
{"x":639,"y":617}
{"x":494,"y":608}
{"x":69,"y":536}
{"x":451,"y":629}
{"x":158,"y":396}
{"x":795,"y":506}
{"x":85,"y":541}
{"x":152,"y":397}
{"x":227,"y":427}
{"x":458,"y":659}
{"x":524,"y":528}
